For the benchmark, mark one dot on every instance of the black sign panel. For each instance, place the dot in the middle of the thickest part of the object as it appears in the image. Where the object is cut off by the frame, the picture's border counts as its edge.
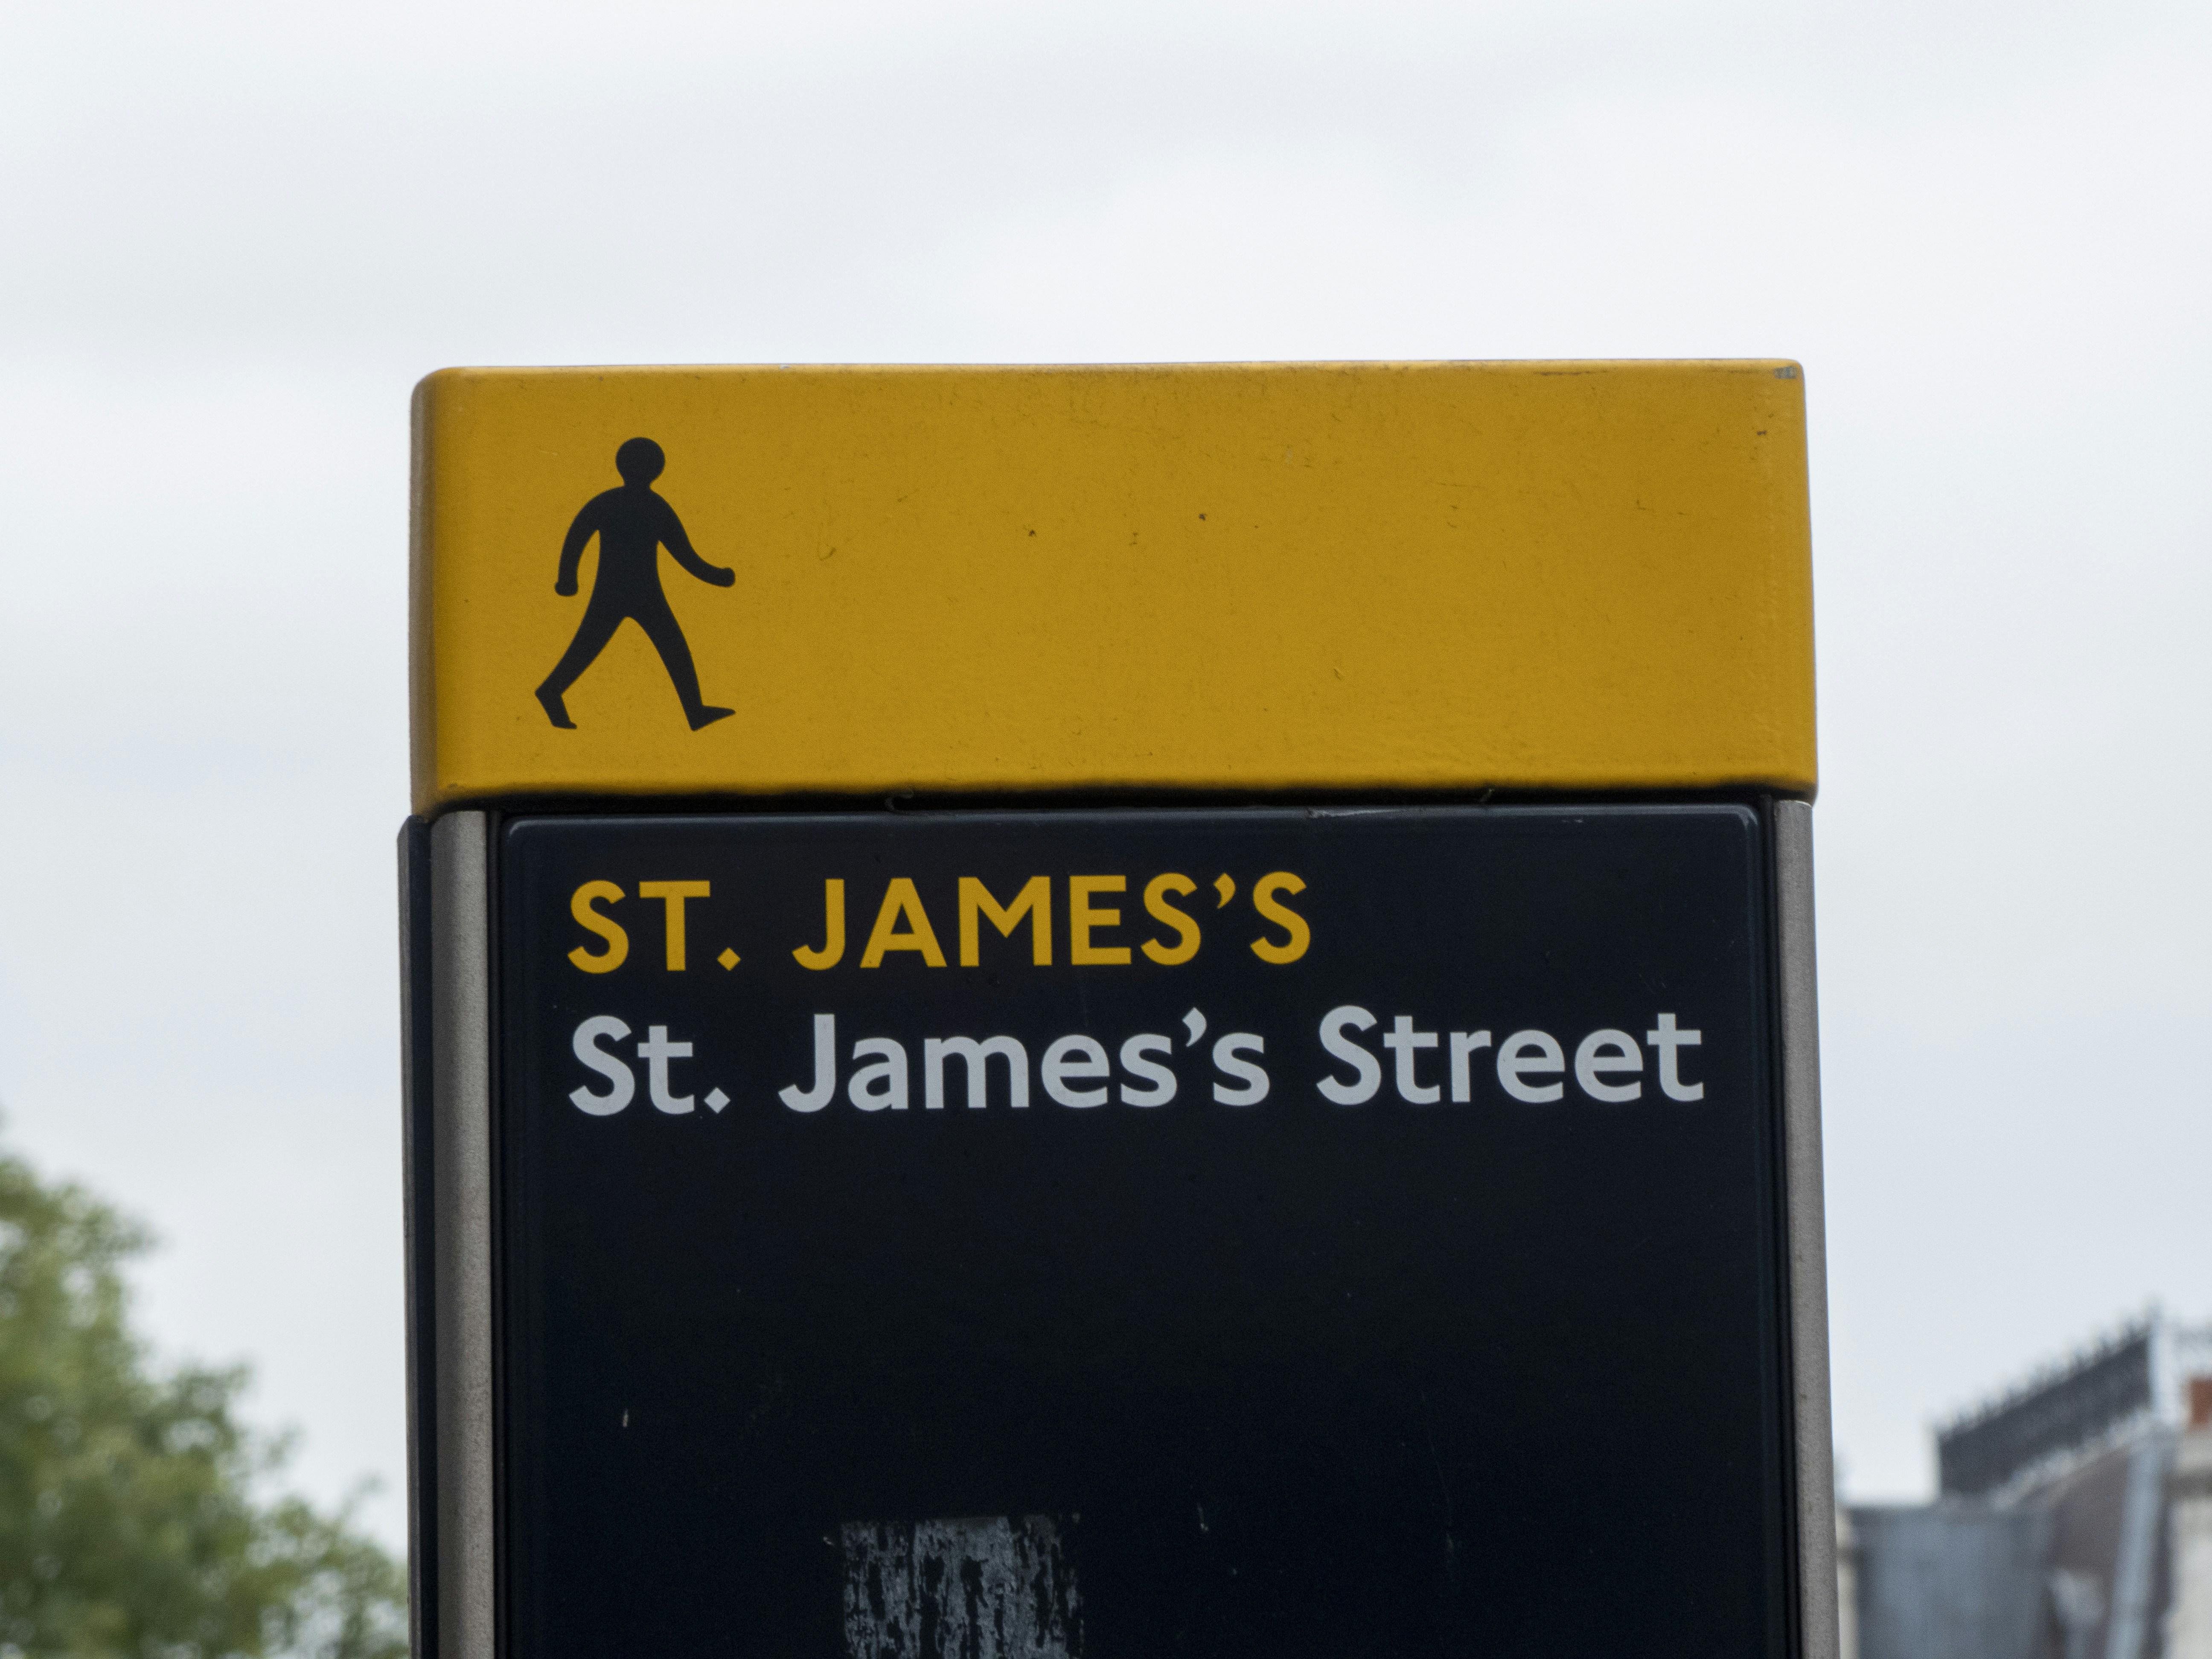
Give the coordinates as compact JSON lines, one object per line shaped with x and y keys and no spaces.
{"x":1131,"y":1233}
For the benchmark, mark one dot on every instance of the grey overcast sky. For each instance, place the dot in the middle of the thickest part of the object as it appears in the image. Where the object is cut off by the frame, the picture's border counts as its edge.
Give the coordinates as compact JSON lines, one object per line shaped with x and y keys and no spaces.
{"x":237,"y":232}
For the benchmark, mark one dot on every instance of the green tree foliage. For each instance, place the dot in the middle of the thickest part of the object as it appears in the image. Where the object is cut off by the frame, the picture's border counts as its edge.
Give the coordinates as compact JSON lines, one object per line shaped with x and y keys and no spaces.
{"x":130,"y":1526}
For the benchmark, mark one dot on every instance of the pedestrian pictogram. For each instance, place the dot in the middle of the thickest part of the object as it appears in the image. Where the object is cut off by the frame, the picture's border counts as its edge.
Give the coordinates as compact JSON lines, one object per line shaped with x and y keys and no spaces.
{"x":633,"y":524}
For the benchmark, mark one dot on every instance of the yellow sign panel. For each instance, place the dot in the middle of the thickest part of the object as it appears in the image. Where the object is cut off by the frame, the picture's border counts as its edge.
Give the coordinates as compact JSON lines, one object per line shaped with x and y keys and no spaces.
{"x":1312,"y":576}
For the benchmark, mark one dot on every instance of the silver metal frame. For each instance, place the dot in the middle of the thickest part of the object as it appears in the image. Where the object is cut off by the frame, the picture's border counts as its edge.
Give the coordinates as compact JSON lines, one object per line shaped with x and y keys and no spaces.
{"x":460,"y":1041}
{"x":1808,"y":1223}
{"x":415,"y":1222}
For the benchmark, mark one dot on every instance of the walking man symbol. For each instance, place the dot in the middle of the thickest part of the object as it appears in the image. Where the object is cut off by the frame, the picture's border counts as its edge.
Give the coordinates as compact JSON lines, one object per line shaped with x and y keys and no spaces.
{"x":633,"y":525}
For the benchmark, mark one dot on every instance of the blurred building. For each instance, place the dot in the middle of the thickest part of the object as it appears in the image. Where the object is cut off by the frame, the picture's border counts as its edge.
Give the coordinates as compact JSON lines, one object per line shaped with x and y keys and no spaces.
{"x":2075,"y":1520}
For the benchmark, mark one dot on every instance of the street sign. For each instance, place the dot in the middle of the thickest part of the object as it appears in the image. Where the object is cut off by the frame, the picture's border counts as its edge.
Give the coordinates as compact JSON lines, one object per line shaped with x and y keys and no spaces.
{"x":1352,"y":1188}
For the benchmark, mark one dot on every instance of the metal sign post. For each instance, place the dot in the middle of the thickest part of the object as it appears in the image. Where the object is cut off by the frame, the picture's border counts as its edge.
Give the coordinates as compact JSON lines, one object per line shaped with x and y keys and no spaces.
{"x":1147,"y":1011}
